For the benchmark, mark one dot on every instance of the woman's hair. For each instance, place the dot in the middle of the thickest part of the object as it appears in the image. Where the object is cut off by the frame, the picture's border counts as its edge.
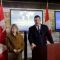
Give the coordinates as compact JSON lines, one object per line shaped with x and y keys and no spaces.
{"x":13,"y":25}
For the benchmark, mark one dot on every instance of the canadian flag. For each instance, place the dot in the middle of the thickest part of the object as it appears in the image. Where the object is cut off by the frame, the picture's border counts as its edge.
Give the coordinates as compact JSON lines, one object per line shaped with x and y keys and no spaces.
{"x":47,"y":21}
{"x":3,"y":48}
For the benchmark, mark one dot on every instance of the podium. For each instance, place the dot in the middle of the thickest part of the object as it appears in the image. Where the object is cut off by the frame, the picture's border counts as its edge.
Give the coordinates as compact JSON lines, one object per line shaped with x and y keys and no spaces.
{"x":53,"y":51}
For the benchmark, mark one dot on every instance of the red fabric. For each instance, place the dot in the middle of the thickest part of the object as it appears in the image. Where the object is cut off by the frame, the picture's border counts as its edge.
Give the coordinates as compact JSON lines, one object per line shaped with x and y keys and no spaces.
{"x":1,"y":13}
{"x":3,"y":56}
{"x":46,"y":14}
{"x":2,"y":34}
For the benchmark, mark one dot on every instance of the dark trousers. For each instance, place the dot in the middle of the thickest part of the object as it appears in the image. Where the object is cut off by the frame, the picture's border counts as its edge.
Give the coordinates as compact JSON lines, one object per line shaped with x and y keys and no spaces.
{"x":39,"y":53}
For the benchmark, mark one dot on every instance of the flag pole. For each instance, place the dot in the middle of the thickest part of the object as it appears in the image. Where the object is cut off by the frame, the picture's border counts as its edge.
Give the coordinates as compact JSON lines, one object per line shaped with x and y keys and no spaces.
{"x":1,"y":2}
{"x":47,"y":2}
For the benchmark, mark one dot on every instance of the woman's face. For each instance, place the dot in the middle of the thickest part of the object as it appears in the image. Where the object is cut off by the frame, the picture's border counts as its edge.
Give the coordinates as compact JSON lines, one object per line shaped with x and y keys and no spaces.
{"x":14,"y":29}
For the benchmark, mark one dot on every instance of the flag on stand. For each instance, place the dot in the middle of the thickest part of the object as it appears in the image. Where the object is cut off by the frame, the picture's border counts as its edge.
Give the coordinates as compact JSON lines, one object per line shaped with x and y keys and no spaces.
{"x":47,"y":13}
{"x":3,"y":48}
{"x":47,"y":21}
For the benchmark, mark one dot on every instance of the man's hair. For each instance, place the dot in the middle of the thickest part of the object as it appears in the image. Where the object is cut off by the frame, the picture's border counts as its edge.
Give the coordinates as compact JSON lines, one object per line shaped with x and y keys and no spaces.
{"x":37,"y":16}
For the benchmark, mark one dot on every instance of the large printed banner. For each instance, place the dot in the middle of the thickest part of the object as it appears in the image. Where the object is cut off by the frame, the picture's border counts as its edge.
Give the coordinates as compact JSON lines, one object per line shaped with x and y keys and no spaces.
{"x":24,"y":19}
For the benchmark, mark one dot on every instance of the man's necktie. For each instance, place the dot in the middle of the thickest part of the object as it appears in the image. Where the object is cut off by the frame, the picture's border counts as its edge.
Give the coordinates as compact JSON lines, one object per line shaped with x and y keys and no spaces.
{"x":38,"y":29}
{"x":41,"y":41}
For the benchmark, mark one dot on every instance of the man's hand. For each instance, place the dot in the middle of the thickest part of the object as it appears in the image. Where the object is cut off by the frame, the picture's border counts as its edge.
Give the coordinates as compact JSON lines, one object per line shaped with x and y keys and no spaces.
{"x":33,"y":45}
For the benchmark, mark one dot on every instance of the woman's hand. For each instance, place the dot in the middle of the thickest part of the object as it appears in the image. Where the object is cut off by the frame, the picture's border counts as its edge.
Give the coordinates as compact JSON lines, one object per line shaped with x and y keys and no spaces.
{"x":19,"y":50}
{"x":15,"y":50}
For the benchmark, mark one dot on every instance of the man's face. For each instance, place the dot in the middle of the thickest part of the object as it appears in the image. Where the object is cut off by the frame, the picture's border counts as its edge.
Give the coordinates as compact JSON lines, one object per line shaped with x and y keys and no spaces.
{"x":37,"y":21}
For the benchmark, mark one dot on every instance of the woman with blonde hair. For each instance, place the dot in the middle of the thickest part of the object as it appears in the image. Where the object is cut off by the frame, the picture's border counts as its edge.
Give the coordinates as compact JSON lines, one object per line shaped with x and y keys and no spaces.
{"x":15,"y":42}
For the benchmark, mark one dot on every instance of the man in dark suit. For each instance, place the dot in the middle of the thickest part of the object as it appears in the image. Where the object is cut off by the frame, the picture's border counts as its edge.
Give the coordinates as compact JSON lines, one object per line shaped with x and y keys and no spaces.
{"x":38,"y":35}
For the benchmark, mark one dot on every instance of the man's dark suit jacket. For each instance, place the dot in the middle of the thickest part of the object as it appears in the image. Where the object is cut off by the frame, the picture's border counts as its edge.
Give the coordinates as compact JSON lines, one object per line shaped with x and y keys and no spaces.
{"x":40,"y":39}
